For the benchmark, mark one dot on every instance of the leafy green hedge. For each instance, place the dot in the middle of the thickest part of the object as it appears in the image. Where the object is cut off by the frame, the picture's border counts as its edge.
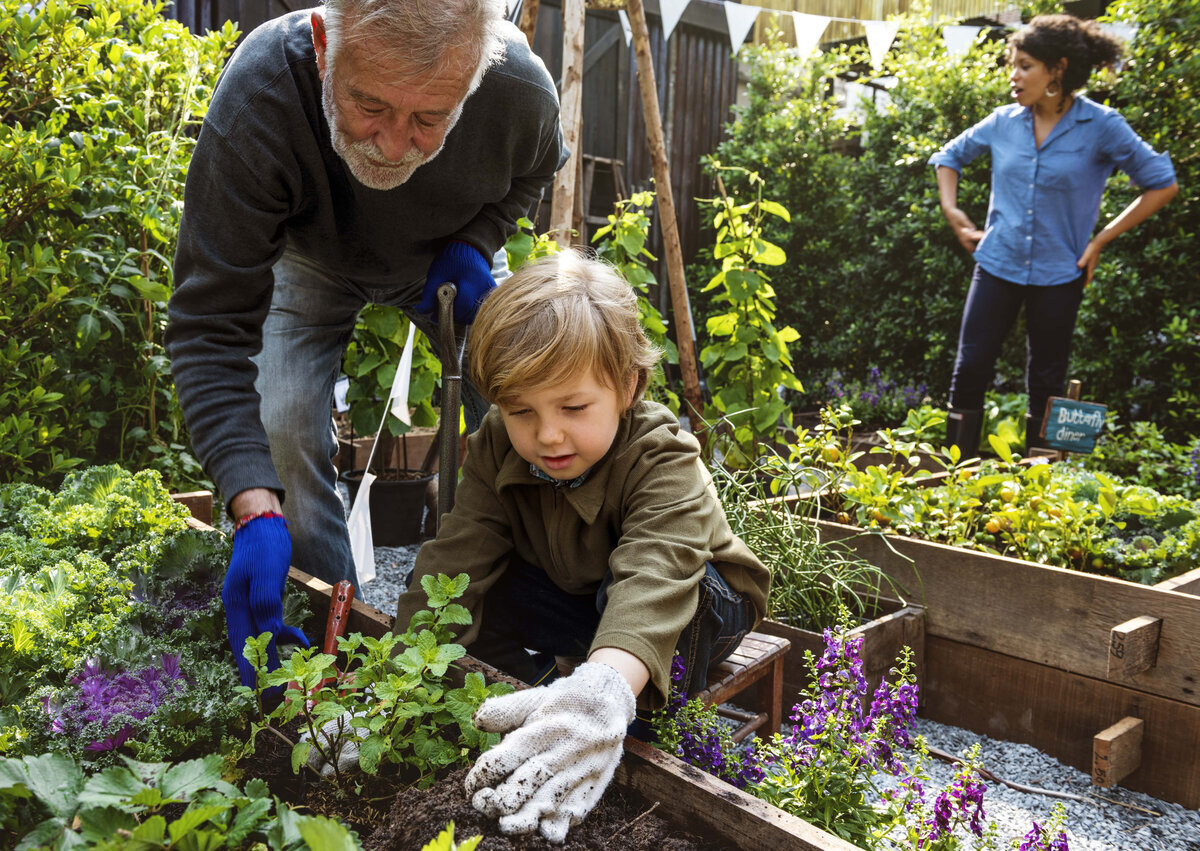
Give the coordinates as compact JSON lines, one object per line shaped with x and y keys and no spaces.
{"x":875,"y":278}
{"x":97,"y":103}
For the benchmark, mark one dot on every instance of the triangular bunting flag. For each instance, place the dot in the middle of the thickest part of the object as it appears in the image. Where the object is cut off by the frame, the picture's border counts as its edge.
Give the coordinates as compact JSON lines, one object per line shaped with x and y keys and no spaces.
{"x":1123,"y":31}
{"x":625,"y":27}
{"x":958,"y":39}
{"x":740,"y":19}
{"x":880,"y":35}
{"x":809,"y":29}
{"x":671,"y":11}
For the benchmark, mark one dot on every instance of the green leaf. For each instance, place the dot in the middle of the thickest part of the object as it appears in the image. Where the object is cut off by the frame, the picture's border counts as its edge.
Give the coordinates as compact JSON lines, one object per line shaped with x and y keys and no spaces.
{"x":324,"y":834}
{"x":1000,"y":447}
{"x":300,"y":753}
{"x":193,"y":818}
{"x":184,"y":780}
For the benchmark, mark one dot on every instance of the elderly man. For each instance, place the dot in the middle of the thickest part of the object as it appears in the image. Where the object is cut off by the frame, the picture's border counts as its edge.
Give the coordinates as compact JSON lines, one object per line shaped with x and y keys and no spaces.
{"x":365,"y":151}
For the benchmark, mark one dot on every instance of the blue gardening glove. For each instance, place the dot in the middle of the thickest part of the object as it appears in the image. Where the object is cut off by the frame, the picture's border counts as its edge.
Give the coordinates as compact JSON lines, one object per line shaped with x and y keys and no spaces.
{"x":253,"y":592}
{"x":468,"y":270}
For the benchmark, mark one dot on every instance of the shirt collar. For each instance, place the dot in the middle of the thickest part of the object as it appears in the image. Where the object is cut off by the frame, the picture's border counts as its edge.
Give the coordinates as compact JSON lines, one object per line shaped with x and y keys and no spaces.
{"x":534,"y":470}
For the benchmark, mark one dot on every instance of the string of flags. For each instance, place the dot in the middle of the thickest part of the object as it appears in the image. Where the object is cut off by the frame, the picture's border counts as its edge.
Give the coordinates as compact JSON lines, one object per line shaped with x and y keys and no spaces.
{"x":740,"y":18}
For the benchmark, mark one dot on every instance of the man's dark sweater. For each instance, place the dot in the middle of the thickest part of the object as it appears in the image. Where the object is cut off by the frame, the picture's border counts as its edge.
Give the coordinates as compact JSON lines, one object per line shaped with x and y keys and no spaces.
{"x":264,"y":178}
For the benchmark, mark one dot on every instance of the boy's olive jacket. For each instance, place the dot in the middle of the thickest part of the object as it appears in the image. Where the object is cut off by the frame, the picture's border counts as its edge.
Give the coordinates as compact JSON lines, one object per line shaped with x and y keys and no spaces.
{"x":647,"y":511}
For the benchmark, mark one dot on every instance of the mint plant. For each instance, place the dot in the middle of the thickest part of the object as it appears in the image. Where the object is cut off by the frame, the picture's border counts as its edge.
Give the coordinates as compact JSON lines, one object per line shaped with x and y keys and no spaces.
{"x":390,"y":703}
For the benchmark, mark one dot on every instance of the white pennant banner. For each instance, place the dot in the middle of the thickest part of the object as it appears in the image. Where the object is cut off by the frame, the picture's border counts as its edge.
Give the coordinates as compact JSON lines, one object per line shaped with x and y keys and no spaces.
{"x":740,"y":19}
{"x":398,"y":398}
{"x":625,"y":27}
{"x":958,"y":39}
{"x":809,"y":29}
{"x":671,"y":11}
{"x":880,"y":35}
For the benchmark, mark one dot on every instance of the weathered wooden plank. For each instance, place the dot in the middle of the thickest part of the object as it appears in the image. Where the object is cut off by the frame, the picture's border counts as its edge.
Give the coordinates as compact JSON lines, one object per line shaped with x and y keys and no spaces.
{"x":1059,"y":713}
{"x":882,"y":637}
{"x":1047,"y":615}
{"x":1184,"y":583}
{"x":199,"y":503}
{"x":702,"y":804}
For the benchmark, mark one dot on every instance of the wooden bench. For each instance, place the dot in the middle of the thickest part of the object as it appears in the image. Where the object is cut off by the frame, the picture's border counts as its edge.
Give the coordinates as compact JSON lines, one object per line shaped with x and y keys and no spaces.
{"x":757,"y":662}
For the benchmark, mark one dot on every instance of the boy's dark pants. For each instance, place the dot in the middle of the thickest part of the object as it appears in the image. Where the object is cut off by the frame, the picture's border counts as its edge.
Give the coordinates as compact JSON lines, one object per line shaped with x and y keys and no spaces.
{"x":525,"y":609}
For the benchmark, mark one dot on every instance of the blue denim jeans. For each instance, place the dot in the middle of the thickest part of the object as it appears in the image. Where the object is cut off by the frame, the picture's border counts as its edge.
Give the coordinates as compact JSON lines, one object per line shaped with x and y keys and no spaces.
{"x":991,"y":310}
{"x":526,"y":611}
{"x":304,"y":337}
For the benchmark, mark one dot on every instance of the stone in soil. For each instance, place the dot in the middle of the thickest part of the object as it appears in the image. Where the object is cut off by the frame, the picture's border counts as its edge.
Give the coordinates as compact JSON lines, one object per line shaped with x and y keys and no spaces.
{"x":617,"y":822}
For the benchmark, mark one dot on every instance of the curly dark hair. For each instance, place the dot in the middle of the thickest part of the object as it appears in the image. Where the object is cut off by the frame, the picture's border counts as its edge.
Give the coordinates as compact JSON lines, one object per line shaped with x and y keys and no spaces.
{"x":1051,"y":38}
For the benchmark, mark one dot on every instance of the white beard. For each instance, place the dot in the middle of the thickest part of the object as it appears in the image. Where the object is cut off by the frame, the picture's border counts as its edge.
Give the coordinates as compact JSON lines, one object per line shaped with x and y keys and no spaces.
{"x":362,"y":158}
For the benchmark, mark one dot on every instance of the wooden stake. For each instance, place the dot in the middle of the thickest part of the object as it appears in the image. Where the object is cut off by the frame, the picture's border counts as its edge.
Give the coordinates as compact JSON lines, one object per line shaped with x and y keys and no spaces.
{"x":680,"y":309}
{"x":571,"y":99}
{"x":529,"y":16}
{"x":1117,"y":751}
{"x":1133,"y":646}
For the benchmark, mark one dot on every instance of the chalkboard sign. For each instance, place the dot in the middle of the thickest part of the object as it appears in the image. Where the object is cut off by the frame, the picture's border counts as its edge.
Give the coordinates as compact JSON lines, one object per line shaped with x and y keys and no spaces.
{"x":1071,"y":425}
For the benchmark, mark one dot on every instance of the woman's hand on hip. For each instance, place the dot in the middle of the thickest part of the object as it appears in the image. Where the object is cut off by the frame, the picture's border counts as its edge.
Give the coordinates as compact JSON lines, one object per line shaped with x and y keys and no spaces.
{"x":965,"y":232}
{"x":1088,"y":260}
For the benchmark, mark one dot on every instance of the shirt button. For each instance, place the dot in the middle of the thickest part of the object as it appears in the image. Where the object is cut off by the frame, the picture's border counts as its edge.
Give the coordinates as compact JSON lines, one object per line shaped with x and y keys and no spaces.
{"x":1029,"y":237}
{"x":1026,"y":262}
{"x":1031,"y":186}
{"x":1030,"y":212}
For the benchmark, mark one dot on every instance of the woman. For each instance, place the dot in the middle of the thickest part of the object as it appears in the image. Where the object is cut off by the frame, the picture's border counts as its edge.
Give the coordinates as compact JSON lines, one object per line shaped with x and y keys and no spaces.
{"x":1052,"y":152}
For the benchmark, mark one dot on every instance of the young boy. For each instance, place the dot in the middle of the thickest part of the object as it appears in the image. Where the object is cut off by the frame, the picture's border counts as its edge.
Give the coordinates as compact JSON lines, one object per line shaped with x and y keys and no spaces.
{"x":590,"y":529}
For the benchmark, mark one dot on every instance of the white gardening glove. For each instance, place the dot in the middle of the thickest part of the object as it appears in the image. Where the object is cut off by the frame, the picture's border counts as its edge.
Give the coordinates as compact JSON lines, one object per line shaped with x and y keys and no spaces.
{"x":564,"y":745}
{"x":334,"y":734}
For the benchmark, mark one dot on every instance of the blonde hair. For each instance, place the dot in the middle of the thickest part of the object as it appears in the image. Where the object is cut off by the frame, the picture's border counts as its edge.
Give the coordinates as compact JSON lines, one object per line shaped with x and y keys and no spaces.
{"x":556,"y":317}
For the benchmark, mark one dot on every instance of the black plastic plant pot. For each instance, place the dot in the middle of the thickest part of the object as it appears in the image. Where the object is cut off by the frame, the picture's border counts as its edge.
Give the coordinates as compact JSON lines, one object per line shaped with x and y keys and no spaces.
{"x":398,"y":503}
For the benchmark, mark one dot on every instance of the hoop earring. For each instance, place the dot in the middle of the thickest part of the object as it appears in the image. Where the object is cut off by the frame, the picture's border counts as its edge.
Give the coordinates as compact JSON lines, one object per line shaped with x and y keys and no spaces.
{"x":1055,"y":93}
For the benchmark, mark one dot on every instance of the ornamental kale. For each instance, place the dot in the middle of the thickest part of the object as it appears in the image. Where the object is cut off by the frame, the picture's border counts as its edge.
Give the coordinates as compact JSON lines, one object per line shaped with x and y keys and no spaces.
{"x":108,"y":699}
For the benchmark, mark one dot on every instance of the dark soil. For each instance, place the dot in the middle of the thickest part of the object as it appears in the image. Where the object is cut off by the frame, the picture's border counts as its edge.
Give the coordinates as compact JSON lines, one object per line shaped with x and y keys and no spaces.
{"x":617,"y":822}
{"x":390,"y":820}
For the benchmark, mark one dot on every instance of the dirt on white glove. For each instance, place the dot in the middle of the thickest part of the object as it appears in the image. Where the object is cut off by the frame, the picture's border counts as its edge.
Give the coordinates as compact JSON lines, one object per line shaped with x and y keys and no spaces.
{"x":563,"y":744}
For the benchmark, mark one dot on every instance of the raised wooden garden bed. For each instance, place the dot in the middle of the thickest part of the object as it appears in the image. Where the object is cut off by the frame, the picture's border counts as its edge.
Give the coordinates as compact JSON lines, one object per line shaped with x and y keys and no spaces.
{"x":1057,"y":659}
{"x":687,"y":798}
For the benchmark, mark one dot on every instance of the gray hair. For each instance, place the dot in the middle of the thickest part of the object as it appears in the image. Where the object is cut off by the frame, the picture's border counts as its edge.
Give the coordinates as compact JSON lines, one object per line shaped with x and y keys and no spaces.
{"x":419,"y":36}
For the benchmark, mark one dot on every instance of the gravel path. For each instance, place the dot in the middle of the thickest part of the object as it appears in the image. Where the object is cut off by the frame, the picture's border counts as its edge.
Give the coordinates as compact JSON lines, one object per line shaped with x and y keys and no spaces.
{"x":1109,"y":820}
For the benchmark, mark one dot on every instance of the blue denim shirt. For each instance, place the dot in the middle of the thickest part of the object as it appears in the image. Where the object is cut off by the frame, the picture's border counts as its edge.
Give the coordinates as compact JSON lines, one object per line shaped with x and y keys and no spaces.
{"x":1045,"y":202}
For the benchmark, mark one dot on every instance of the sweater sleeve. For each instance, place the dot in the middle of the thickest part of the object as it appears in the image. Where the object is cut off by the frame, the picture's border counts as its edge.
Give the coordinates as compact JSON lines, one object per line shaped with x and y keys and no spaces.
{"x":230,"y":236}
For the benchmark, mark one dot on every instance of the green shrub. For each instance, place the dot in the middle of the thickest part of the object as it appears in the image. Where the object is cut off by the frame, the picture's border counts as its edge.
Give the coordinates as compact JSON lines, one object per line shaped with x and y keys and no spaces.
{"x":96,"y":104}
